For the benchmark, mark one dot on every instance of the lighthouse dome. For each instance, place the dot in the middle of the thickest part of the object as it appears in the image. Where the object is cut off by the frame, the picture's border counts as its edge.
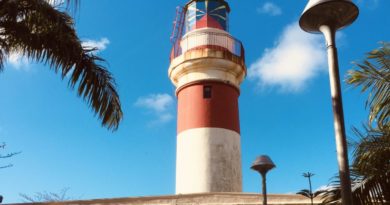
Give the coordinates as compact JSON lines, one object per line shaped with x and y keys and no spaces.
{"x":207,"y":14}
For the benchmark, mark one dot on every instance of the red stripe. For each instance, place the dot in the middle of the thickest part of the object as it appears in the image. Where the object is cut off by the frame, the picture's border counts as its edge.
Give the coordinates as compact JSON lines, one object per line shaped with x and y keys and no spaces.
{"x":220,"y":111}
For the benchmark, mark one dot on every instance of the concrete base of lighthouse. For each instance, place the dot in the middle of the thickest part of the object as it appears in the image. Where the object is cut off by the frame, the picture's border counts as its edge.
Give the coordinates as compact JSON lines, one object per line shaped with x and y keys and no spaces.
{"x":208,"y":160}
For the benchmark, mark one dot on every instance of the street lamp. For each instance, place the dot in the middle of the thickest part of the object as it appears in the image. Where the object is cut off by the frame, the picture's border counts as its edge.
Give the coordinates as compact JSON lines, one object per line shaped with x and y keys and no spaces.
{"x":263,"y":164}
{"x":326,"y":17}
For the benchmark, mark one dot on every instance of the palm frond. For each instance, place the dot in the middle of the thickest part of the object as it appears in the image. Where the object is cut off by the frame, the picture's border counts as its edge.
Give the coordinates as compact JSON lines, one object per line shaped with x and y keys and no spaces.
{"x":318,"y":193}
{"x":4,"y":49}
{"x":2,"y":59}
{"x":374,"y":75}
{"x":370,"y":171}
{"x":332,"y":195}
{"x":372,"y":152}
{"x":47,"y":35}
{"x":306,"y":193}
{"x":308,"y":174}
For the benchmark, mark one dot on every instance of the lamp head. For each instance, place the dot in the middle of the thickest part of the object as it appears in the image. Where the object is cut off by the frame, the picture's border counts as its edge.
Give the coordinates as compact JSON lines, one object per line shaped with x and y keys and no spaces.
{"x":334,"y":13}
{"x":263,"y":164}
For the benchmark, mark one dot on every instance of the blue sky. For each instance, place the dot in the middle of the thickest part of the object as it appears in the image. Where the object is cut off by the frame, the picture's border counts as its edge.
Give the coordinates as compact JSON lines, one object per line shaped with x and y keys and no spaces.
{"x":285,"y":107}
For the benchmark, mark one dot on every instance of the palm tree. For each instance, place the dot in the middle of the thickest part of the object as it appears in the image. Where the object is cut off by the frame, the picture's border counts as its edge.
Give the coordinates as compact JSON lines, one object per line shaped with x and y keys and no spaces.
{"x":45,"y":34}
{"x":374,"y":75}
{"x":370,"y":170}
{"x":372,"y":165}
{"x":309,"y":192}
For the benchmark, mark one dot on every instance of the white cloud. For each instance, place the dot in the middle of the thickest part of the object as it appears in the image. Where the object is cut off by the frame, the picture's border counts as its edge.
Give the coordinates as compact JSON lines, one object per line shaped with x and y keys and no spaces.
{"x":323,"y":187}
{"x":160,"y":105}
{"x":156,"y":102}
{"x":56,"y":3}
{"x":100,"y":45}
{"x":296,"y":58}
{"x":270,"y":8}
{"x":18,"y":61}
{"x":163,"y":118}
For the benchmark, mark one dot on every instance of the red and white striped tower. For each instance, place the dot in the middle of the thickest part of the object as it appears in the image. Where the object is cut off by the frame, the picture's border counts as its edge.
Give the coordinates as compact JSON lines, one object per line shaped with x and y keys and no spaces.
{"x":207,"y":67}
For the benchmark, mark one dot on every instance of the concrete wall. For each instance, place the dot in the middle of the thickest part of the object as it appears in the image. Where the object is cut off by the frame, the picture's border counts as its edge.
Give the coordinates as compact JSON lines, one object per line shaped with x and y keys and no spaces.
{"x":197,"y":199}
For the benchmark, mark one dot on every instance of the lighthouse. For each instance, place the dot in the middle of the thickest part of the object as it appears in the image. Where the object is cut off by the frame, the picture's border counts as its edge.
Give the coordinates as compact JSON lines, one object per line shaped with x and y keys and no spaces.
{"x":207,"y":67}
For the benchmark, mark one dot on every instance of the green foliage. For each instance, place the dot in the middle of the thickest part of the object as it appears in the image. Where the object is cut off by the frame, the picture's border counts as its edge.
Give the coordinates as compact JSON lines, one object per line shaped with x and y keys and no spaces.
{"x":373,"y":75}
{"x":370,"y":170}
{"x":308,"y":175}
{"x":372,"y":151}
{"x":371,"y":165}
{"x":45,"y":34}
{"x":308,"y":193}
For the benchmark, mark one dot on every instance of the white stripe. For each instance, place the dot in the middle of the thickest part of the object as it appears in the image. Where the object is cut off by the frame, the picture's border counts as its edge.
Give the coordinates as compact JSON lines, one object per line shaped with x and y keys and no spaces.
{"x":208,"y":160}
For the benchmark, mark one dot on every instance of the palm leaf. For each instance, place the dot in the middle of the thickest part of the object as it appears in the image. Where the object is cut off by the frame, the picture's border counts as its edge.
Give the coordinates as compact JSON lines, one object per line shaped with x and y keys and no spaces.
{"x":2,"y":59}
{"x":374,"y":75}
{"x":47,"y":35}
{"x":308,"y":174}
{"x":370,"y":171}
{"x":305,"y":193}
{"x":318,"y":193}
{"x":372,"y":151}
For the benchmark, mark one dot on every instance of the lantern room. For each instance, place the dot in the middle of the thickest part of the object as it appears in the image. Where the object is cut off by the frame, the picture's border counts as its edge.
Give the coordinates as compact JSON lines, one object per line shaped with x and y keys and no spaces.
{"x":207,"y":13}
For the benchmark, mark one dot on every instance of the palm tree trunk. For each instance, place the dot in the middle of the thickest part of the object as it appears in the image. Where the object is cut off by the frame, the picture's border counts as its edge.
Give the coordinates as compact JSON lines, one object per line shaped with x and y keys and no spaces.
{"x":311,"y":190}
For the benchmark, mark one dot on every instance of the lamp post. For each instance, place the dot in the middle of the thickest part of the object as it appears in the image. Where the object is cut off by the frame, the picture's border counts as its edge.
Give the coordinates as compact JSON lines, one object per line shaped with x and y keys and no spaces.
{"x":263,"y":164}
{"x":326,"y":17}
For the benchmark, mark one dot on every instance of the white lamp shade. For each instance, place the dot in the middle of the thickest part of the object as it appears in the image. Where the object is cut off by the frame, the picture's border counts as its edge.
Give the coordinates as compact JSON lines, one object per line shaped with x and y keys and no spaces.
{"x":334,"y":13}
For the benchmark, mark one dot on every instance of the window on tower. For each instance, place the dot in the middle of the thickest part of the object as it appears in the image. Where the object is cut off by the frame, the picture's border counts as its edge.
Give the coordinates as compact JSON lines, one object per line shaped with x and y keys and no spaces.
{"x":207,"y":91}
{"x":191,"y":17}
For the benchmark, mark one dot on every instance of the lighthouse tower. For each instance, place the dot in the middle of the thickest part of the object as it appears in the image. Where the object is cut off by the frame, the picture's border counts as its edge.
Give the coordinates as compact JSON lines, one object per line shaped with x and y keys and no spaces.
{"x":207,"y":68}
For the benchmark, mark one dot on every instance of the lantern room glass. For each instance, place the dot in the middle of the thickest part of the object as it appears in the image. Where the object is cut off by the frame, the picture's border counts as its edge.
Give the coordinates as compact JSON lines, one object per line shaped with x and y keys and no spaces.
{"x":215,"y":9}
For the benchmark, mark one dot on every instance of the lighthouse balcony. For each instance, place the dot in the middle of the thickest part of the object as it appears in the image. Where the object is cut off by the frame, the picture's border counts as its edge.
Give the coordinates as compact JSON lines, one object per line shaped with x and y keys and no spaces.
{"x":207,"y":55}
{"x":209,"y":39}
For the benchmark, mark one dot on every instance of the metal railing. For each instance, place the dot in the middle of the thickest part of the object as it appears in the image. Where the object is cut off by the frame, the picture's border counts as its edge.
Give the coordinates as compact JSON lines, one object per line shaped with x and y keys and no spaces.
{"x":218,"y":41}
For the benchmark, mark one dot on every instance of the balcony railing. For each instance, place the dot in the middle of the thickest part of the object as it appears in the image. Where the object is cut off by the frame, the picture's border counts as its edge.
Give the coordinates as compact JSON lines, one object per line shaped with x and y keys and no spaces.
{"x":217,"y":41}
